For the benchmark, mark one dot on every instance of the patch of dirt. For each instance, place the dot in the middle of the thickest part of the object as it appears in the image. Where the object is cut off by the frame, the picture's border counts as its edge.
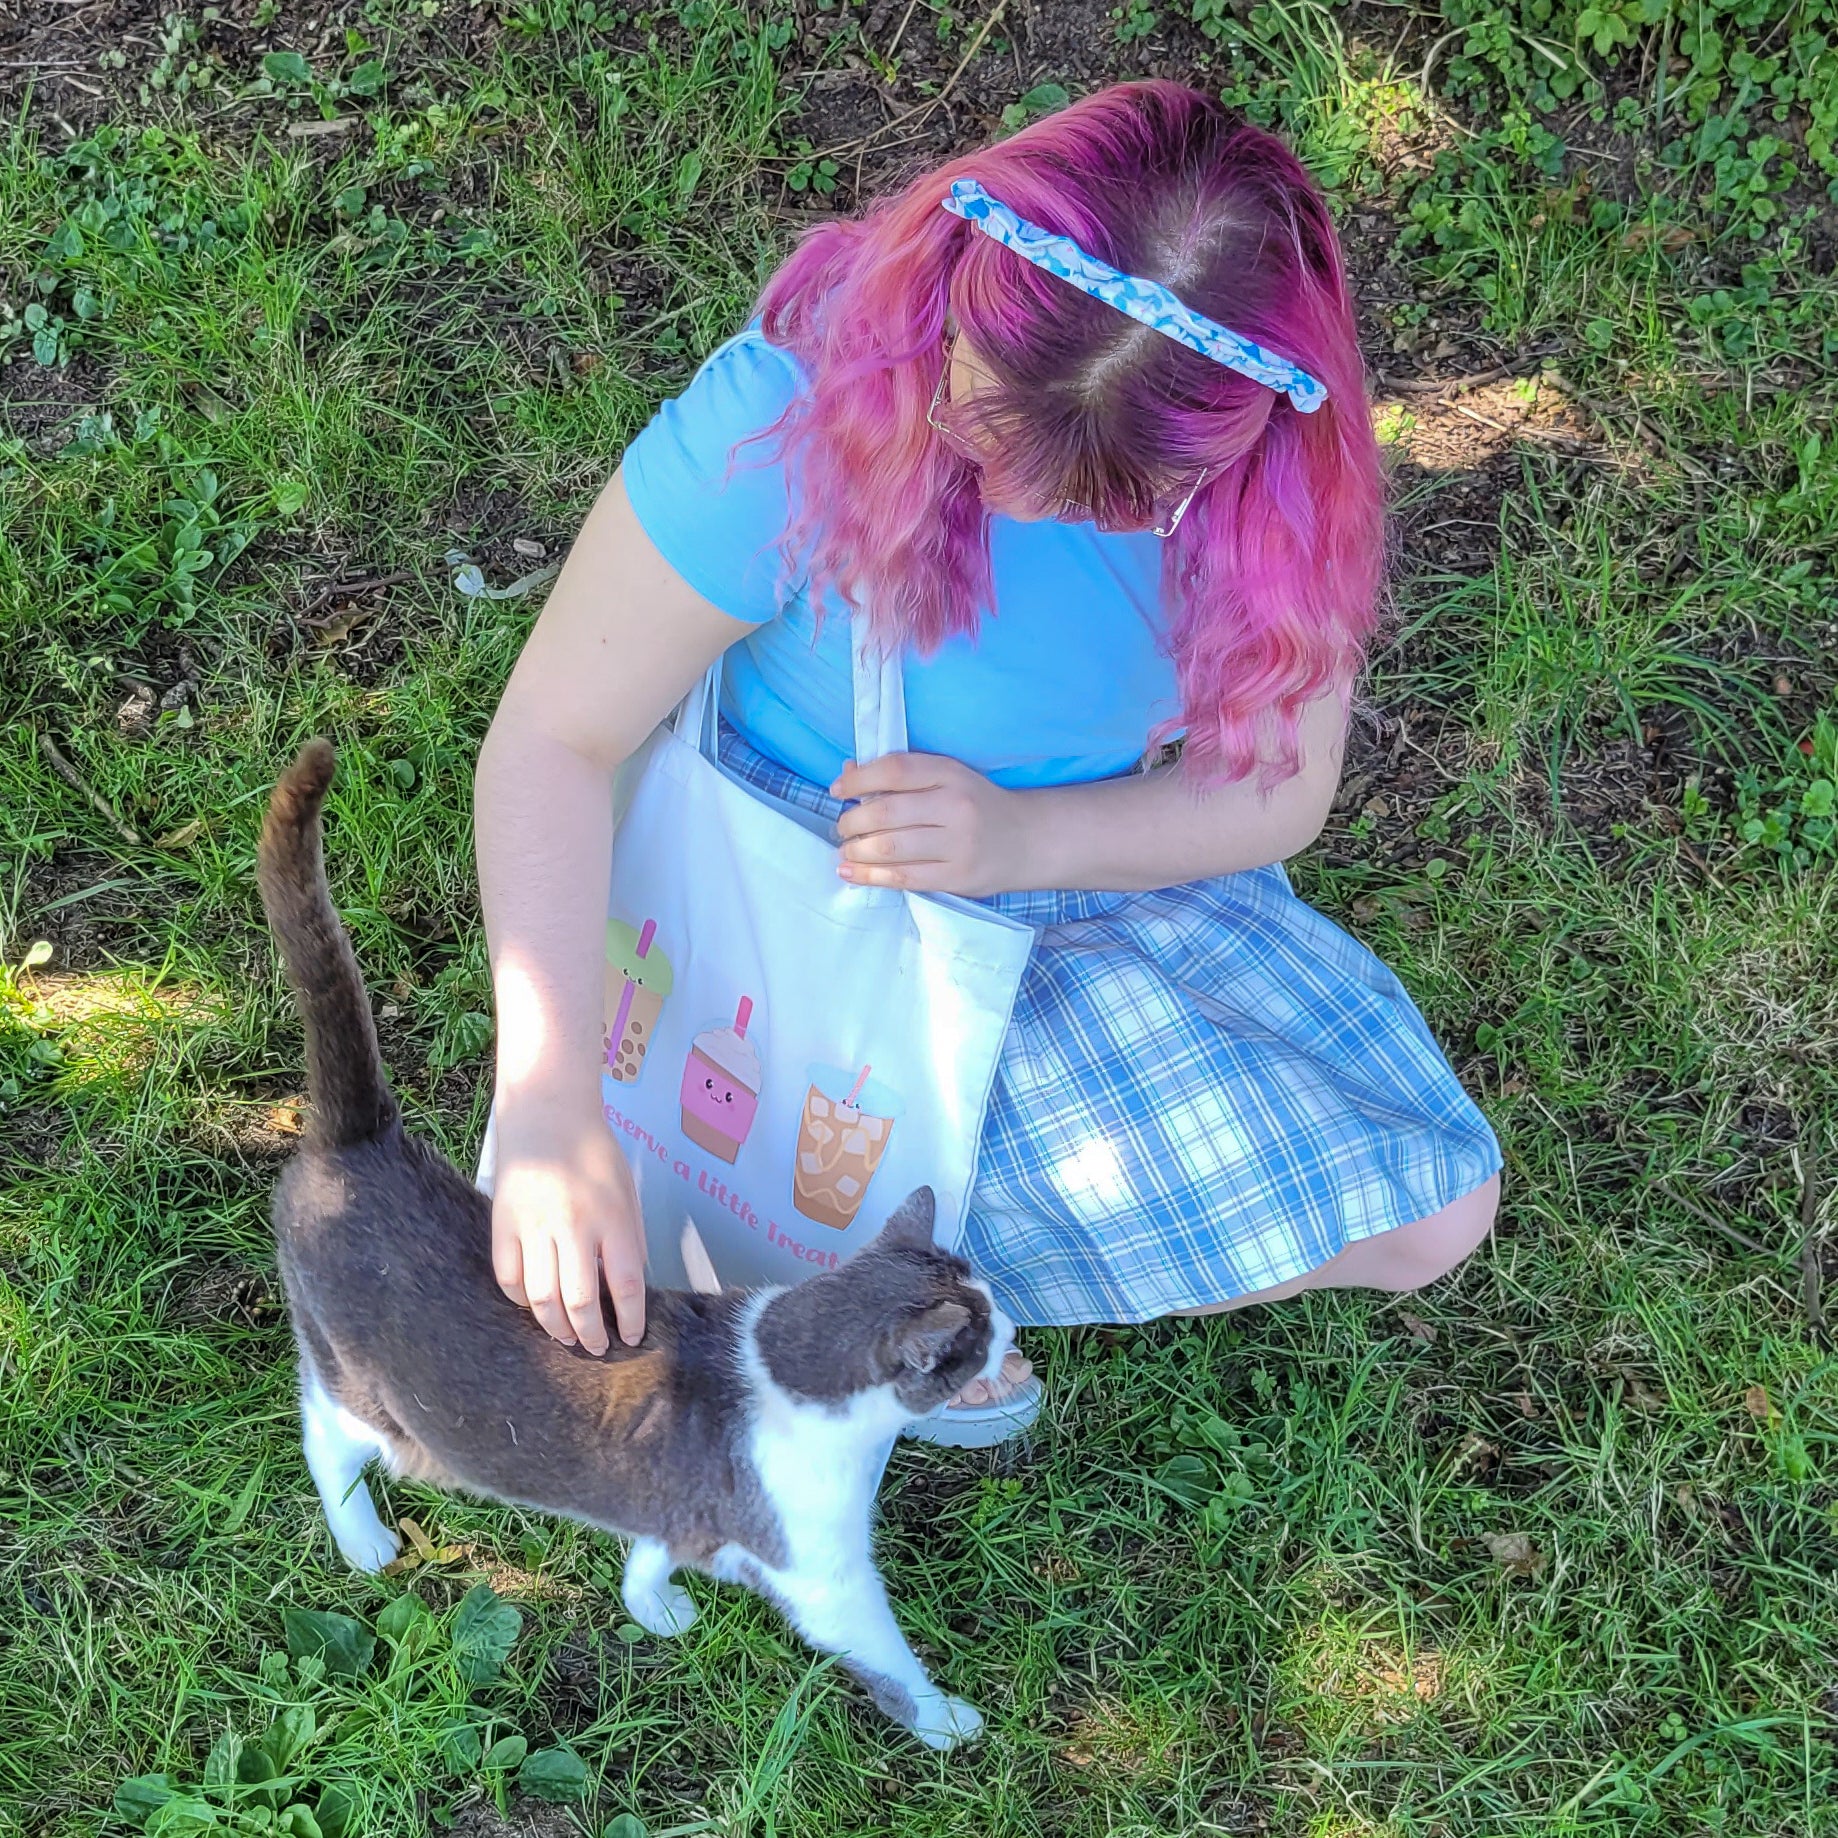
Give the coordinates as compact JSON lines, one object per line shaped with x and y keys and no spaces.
{"x":488,"y":521}
{"x":364,"y":615}
{"x":1467,"y":429}
{"x":528,"y":1819}
{"x":1399,"y":762}
{"x":232,"y":1293}
{"x":1457,"y":455}
{"x":350,"y":615}
{"x":919,"y":1485}
{"x":1447,"y":522}
{"x":1599,"y":789}
{"x":42,"y":407}
{"x":90,"y":933}
{"x":261,"y":1131}
{"x":580,"y":1667}
{"x":36,"y":1136}
{"x":1611,"y":792}
{"x":880,"y":134}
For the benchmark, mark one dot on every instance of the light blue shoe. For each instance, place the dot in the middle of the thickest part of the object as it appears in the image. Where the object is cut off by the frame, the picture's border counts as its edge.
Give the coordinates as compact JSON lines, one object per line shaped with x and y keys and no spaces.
{"x":980,"y":1426}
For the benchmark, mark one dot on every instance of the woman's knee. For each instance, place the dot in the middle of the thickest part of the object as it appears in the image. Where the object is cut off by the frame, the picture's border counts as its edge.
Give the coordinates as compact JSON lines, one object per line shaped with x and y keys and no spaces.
{"x":1407,"y":1257}
{"x":1414,"y":1256}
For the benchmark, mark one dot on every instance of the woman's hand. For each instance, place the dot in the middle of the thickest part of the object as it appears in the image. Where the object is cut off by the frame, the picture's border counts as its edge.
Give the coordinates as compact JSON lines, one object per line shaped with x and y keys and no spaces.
{"x":931,"y":825}
{"x":935,"y":826}
{"x":564,"y":1213}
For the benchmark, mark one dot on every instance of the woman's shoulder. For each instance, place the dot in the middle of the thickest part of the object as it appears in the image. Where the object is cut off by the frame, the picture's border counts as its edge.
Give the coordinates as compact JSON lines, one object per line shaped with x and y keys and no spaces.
{"x":699,"y":438}
{"x":743,"y":386}
{"x":713,"y":504}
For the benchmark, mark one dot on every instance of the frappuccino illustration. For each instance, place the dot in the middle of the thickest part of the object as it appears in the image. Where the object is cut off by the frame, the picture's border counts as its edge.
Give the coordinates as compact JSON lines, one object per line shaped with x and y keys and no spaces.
{"x":721,"y":1081}
{"x":637,"y":981}
{"x":842,"y":1135}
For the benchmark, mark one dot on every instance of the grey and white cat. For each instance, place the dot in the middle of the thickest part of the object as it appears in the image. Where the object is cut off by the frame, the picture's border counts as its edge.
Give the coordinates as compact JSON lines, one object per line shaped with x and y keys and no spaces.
{"x":743,"y":1437}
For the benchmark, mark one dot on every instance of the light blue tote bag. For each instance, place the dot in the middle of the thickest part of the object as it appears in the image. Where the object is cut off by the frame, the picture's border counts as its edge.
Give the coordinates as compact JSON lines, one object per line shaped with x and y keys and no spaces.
{"x":785,"y":1055}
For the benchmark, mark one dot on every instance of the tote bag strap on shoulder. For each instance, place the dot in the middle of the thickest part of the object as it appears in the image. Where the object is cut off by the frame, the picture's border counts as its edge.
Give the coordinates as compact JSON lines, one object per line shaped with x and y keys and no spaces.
{"x":879,"y":698}
{"x":880,"y":695}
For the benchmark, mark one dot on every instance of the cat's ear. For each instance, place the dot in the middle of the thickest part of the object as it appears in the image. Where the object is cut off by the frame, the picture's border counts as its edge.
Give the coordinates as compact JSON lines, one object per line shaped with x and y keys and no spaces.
{"x":928,"y":1337}
{"x":913,"y":1222}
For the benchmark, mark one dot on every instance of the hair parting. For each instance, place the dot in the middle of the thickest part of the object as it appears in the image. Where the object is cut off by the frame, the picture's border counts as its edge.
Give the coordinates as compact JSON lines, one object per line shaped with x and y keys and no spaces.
{"x":1271,"y":580}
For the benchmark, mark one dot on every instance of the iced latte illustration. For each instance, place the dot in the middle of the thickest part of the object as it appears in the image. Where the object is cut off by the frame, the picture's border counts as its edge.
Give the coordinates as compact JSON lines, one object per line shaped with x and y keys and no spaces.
{"x":721,"y":1081}
{"x":842,"y":1136}
{"x":637,"y":981}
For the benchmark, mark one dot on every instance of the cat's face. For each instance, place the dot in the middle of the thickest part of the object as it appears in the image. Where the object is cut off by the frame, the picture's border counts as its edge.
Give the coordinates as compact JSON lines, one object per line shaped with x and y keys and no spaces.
{"x":901,"y":1312}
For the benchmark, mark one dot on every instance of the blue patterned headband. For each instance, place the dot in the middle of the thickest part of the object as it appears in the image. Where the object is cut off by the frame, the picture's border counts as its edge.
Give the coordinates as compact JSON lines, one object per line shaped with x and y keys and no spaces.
{"x":1147,"y":302}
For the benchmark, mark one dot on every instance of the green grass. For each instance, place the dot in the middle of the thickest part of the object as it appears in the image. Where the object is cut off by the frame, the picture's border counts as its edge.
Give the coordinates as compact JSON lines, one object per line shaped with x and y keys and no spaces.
{"x":1549,"y":1549}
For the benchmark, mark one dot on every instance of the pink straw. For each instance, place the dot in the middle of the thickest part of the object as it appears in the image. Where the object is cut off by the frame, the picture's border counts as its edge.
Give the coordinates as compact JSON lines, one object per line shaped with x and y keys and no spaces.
{"x":855,"y":1090}
{"x":742,"y":1015}
{"x":625,"y":995}
{"x":625,"y":1013}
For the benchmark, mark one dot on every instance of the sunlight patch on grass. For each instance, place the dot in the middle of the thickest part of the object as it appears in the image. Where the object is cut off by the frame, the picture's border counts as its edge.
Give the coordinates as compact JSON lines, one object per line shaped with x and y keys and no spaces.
{"x":1130,"y":1738}
{"x":107,"y":1028}
{"x":1353,"y":1684}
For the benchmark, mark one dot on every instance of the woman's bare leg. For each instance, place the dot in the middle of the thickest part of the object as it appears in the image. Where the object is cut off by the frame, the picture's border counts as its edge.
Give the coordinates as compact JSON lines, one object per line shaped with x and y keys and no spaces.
{"x":1402,"y":1260}
{"x":1410,"y":1257}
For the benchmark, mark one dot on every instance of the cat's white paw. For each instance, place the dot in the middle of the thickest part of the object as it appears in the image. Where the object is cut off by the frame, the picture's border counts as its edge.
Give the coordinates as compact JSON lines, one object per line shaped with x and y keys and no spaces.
{"x":367,"y":1545}
{"x":665,"y":1611}
{"x":945,"y":1722}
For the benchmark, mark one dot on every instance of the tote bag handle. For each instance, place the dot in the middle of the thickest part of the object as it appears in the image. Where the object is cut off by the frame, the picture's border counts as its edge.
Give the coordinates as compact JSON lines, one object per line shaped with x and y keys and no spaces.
{"x":879,"y":697}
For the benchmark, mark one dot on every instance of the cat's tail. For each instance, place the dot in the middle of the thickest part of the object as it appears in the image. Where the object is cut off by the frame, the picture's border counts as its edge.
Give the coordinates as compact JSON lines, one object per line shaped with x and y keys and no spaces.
{"x":351,"y":1101}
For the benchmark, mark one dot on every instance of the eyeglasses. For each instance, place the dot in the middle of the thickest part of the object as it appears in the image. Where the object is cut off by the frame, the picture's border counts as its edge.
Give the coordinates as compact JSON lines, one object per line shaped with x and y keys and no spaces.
{"x":950,"y":436}
{"x":1070,"y":510}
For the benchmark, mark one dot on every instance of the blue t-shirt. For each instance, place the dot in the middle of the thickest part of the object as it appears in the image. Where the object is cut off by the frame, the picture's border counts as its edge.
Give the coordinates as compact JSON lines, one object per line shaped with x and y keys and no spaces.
{"x":1063,"y":683}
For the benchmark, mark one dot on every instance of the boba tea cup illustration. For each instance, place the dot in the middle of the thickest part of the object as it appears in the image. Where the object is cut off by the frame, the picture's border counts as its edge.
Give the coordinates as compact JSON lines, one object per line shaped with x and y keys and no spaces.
{"x":638,"y":979}
{"x":847,"y":1122}
{"x":721,"y":1081}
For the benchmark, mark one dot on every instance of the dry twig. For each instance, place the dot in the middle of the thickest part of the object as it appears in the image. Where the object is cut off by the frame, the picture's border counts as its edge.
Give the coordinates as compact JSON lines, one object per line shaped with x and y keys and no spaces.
{"x":899,"y":32}
{"x":77,"y":783}
{"x":1445,"y":386}
{"x":920,"y":110}
{"x":1710,"y":1219}
{"x":348,"y":590}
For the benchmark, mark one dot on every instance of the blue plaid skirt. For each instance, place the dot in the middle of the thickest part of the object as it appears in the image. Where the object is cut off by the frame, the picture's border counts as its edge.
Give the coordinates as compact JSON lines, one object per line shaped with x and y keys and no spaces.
{"x":1205,"y":1091}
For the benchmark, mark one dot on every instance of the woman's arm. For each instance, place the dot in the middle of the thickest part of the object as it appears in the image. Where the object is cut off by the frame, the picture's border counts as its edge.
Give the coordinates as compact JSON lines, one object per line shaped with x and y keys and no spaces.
{"x":618,"y":644}
{"x":933,"y":825}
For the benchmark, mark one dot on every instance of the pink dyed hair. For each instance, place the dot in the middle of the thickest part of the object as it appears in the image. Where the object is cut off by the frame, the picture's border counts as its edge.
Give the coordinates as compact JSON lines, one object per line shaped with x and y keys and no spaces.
{"x":1271,"y":581}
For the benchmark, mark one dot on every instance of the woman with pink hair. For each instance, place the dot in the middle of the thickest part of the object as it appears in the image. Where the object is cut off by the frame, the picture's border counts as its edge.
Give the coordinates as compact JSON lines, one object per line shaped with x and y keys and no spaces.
{"x":1079,"y":421}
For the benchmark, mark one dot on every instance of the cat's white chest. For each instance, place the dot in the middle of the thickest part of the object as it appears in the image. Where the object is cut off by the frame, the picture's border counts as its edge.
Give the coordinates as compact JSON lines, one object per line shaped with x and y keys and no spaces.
{"x":818,"y":1466}
{"x":820,"y":1471}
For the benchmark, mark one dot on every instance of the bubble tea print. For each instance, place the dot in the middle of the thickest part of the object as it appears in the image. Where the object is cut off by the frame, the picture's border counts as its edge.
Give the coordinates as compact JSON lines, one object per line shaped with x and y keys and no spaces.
{"x":842,"y":1135}
{"x":638,"y":979}
{"x":721,"y":1082}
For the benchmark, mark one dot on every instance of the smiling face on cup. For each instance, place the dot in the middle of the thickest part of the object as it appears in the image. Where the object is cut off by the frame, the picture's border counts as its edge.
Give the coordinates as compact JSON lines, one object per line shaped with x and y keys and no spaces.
{"x":720,"y":1091}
